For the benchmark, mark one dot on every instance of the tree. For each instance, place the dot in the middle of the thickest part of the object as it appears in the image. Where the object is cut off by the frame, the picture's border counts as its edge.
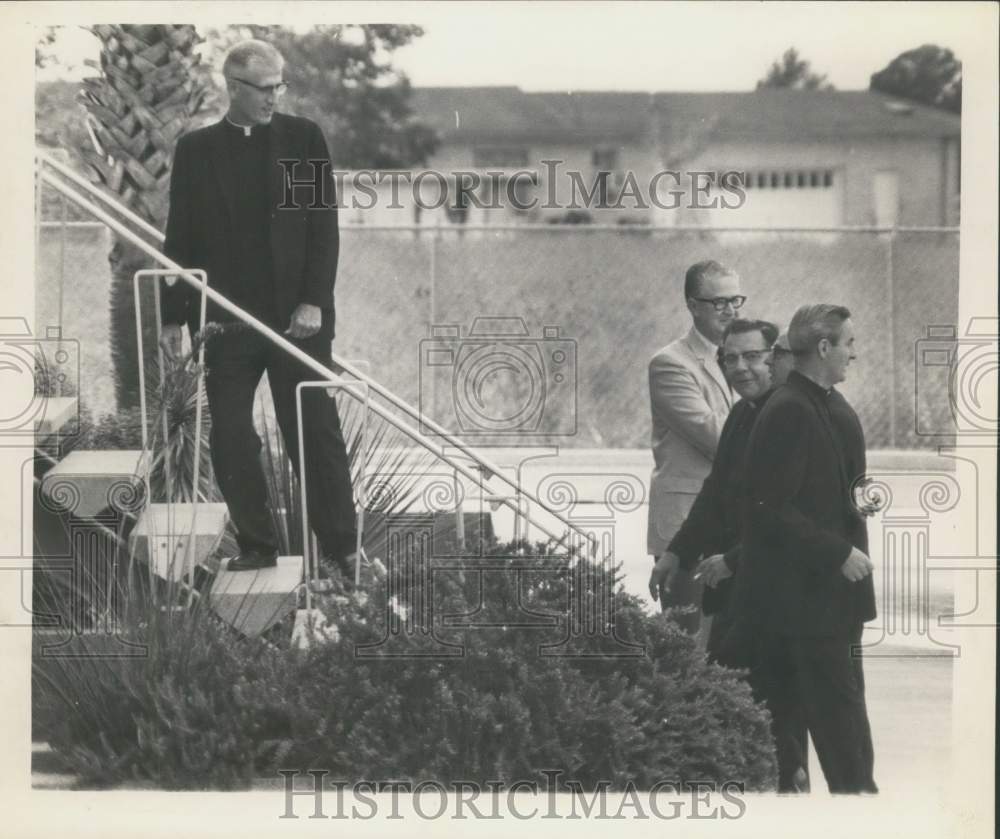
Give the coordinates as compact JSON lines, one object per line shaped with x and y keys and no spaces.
{"x":147,"y":94}
{"x":793,"y":72}
{"x":929,"y":74}
{"x":341,"y":76}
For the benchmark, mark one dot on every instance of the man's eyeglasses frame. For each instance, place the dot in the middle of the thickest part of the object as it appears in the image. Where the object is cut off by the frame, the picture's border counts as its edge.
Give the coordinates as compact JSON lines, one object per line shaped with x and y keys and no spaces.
{"x":750,"y":357}
{"x":277,"y":89}
{"x":720,"y":303}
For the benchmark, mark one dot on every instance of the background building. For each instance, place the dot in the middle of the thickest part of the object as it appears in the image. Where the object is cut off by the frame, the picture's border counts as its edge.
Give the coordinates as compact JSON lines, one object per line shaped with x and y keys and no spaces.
{"x":809,"y":158}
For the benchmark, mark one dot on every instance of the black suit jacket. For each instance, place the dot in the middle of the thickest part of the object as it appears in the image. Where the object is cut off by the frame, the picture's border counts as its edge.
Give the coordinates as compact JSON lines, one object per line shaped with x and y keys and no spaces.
{"x":304,"y":240}
{"x":713,"y":524}
{"x":800,"y":521}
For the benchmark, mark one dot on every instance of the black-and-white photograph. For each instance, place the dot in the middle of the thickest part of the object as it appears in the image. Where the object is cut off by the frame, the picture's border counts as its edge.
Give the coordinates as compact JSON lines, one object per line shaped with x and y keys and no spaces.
{"x":533,"y":412}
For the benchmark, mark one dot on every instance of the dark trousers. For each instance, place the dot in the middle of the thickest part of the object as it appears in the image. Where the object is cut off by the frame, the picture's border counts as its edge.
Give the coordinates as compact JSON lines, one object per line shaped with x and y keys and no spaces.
{"x":236,"y":361}
{"x":773,"y":680}
{"x":831,"y":687}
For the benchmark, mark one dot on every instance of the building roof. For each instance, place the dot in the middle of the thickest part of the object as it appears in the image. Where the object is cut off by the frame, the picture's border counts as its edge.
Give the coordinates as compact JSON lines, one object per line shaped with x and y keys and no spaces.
{"x":461,"y":114}
{"x":507,"y":114}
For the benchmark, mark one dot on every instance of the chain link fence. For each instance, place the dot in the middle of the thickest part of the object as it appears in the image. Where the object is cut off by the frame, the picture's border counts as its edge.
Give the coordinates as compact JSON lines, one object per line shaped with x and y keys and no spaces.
{"x":408,"y":300}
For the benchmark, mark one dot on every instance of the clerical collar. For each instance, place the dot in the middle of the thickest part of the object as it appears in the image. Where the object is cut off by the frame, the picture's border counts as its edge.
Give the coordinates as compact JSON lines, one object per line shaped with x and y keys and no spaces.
{"x":245,"y":130}
{"x":814,"y":385}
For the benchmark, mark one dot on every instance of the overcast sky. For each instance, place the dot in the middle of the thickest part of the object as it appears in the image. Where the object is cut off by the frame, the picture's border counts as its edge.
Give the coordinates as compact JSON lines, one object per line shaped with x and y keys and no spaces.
{"x":639,"y":46}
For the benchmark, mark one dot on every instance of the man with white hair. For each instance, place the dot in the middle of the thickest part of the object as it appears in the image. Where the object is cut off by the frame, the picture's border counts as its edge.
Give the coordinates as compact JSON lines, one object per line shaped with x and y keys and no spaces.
{"x":252,"y":202}
{"x":806,"y":572}
{"x":689,"y":400}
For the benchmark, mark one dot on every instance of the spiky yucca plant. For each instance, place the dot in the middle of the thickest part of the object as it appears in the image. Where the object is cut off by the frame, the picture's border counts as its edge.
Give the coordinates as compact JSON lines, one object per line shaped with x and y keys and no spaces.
{"x":394,"y":469}
{"x":150,"y":89}
{"x":173,"y":442}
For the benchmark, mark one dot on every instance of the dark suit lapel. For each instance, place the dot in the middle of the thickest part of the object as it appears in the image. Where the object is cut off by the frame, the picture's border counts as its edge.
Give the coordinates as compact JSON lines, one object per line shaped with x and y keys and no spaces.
{"x":277,"y":139}
{"x":824,"y":417}
{"x":222,"y":165}
{"x":278,"y":146}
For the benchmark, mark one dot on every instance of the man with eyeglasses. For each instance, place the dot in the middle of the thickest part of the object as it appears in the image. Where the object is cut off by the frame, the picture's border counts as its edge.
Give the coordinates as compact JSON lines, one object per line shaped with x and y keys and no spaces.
{"x":712,"y":530}
{"x":690,"y":400}
{"x":275,"y":256}
{"x":781,"y":361}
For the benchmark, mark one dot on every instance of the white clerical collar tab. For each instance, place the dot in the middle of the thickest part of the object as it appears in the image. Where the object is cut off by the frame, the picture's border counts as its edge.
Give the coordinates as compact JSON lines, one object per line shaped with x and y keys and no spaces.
{"x":246,"y":128}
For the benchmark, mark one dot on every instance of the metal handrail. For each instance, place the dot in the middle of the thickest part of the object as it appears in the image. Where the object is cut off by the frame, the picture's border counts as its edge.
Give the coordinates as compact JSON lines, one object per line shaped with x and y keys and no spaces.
{"x":79,"y":180}
{"x":487,"y":470}
{"x":154,"y":274}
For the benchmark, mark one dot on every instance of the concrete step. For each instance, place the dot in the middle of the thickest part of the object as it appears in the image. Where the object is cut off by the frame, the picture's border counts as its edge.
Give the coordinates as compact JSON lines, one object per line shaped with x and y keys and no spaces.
{"x":86,"y":483}
{"x":254,"y":601}
{"x":164,"y":531}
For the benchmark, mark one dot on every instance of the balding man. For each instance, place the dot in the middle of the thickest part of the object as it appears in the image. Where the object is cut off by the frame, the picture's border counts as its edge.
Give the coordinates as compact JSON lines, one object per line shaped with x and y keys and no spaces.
{"x":273,"y":253}
{"x":805,"y":568}
{"x":690,"y":400}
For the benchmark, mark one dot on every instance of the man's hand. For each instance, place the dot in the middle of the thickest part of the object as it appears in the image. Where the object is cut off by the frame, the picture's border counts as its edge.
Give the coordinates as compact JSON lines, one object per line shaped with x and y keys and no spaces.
{"x":306,"y":321}
{"x":712,"y":570}
{"x":664,"y":570}
{"x":171,"y":341}
{"x":857,"y":566}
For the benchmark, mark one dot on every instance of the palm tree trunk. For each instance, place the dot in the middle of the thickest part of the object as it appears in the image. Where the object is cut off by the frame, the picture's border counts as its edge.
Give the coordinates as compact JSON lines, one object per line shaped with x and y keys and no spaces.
{"x":150,"y":89}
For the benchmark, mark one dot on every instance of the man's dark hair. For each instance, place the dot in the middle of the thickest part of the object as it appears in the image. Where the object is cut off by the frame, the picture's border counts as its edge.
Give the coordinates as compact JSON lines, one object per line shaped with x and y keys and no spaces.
{"x":701,"y":271}
{"x":739,"y":326}
{"x":812,"y":323}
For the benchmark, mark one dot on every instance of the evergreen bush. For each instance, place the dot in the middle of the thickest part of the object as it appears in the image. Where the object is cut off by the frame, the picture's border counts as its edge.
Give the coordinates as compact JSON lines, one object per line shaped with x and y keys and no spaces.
{"x":207,"y":709}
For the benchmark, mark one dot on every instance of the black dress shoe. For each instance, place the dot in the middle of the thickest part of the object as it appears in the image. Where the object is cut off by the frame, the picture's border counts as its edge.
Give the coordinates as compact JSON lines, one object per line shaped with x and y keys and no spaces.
{"x":252,"y":561}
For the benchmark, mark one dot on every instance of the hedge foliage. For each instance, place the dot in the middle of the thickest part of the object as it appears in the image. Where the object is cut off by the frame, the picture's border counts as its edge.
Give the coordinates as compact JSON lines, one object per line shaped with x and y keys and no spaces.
{"x":205,"y":709}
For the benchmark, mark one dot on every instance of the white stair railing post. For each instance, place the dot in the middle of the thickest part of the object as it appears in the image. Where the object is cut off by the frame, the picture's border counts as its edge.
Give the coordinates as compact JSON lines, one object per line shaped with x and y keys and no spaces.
{"x":155,"y":274}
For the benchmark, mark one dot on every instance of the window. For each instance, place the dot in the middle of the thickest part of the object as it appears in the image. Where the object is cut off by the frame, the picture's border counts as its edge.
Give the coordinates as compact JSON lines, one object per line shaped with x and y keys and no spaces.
{"x":499,"y":157}
{"x":789,"y":179}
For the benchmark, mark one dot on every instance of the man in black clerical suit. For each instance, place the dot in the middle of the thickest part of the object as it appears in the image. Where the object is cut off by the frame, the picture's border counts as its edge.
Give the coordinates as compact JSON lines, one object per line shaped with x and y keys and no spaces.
{"x":806,"y":572}
{"x":273,"y":253}
{"x":712,"y":530}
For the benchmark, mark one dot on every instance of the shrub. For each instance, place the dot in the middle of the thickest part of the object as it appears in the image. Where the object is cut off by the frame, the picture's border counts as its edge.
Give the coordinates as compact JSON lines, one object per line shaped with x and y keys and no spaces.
{"x":205,"y":709}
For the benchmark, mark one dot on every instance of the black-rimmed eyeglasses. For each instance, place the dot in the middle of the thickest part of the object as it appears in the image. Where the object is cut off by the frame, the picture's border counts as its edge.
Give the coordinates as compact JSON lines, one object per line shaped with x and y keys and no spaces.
{"x":750,"y":357}
{"x":720,"y":303}
{"x":276,"y":89}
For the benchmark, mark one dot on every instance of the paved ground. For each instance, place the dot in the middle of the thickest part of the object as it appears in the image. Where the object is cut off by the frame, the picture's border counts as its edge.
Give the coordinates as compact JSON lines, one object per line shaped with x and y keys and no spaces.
{"x":909,"y":705}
